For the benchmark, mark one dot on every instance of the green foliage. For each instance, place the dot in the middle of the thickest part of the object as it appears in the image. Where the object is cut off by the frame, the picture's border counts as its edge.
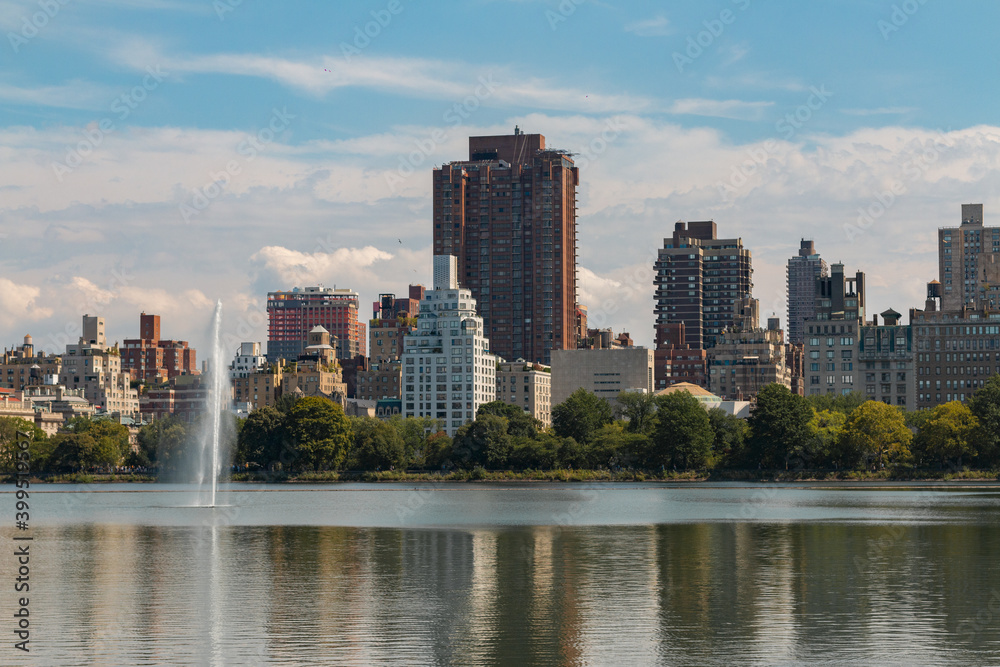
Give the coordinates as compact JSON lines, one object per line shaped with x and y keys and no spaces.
{"x":39,"y":448}
{"x":377,"y":445}
{"x":877,"y":434}
{"x":320,"y":433}
{"x":779,"y":428}
{"x":285,"y":403}
{"x":416,"y":433}
{"x":827,"y":427}
{"x":519,"y":423}
{"x":842,"y":403}
{"x":484,"y":442}
{"x":98,"y":442}
{"x":638,"y":410}
{"x":580,"y":415}
{"x":261,"y":439}
{"x":164,"y":442}
{"x":985,"y":407}
{"x":730,"y":434}
{"x":948,"y":435}
{"x":683,"y":434}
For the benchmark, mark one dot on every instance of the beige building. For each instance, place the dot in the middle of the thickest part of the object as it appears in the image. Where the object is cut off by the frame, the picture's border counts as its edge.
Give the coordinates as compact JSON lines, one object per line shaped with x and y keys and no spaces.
{"x":22,"y":367}
{"x":603,"y":372}
{"x":380,"y":381}
{"x":744,"y":362}
{"x":528,"y":386}
{"x":969,"y":263}
{"x":97,"y":370}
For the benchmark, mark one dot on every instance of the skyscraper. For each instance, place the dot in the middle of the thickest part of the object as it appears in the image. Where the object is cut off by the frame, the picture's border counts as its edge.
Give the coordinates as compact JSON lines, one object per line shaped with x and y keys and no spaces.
{"x":699,"y":281}
{"x":292,"y":315}
{"x":969,"y":262}
{"x":831,"y":335}
{"x":508,"y":214}
{"x":803,"y":270}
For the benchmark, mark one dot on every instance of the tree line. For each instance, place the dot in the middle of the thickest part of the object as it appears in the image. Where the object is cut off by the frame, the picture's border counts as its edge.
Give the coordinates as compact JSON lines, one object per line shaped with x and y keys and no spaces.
{"x":645,"y":432}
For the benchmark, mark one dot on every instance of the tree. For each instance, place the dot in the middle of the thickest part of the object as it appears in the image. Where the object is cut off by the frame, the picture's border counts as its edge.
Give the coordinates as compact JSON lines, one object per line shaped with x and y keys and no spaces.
{"x":729,"y":438}
{"x":484,"y":442}
{"x":285,"y":403}
{"x":827,"y":427}
{"x":164,"y":442}
{"x":110,"y":444}
{"x":262,"y":438}
{"x":519,"y":422}
{"x":38,"y":447}
{"x":320,"y":432}
{"x":683,"y":434}
{"x":580,"y":415}
{"x":779,"y":426}
{"x":638,"y":410}
{"x":416,"y":433}
{"x":985,"y":407}
{"x":949,"y":434}
{"x":74,"y":452}
{"x":842,"y":403}
{"x":877,"y":432}
{"x":376,"y":445}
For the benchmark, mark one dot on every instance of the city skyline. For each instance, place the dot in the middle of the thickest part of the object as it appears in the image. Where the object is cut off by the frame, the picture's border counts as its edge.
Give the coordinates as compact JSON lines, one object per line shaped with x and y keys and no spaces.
{"x":174,"y":161}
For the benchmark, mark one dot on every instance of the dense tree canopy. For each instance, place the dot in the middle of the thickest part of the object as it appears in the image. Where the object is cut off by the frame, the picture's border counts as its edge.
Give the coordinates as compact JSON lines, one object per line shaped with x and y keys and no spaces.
{"x":779,"y":428}
{"x":948,"y":435}
{"x":320,"y":433}
{"x":580,"y":415}
{"x":682,"y":437}
{"x":878,"y":434}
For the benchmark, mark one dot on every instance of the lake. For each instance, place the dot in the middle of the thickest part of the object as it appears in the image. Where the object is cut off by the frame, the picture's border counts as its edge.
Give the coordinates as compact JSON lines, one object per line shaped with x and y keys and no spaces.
{"x":519,"y":574}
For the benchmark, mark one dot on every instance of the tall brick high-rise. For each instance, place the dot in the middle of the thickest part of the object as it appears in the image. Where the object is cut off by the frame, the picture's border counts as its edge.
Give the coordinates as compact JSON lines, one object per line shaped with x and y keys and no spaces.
{"x":803,"y":270}
{"x":292,"y":315}
{"x":969,"y":262}
{"x":508,"y":214}
{"x":700,"y":280}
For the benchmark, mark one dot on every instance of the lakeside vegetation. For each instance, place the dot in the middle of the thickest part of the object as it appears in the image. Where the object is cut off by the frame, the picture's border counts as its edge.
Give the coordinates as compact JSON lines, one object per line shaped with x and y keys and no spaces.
{"x":669,"y":437}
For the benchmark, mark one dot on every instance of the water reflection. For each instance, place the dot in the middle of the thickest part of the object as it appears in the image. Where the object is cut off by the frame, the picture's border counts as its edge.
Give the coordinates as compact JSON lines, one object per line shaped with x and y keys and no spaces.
{"x":671,"y":594}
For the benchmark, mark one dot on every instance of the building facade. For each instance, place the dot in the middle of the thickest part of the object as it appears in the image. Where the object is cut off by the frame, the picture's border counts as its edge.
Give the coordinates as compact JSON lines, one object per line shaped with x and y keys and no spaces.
{"x":886,"y":357}
{"x":699,"y":280}
{"x":292,"y":315}
{"x":448,"y":368}
{"x":97,"y":370}
{"x":969,"y":263}
{"x":830,"y":346}
{"x":23,"y":367}
{"x":743,"y":362}
{"x":801,"y":275}
{"x":605,"y":372}
{"x":508,"y":214}
{"x":150,"y":360}
{"x":528,"y":386}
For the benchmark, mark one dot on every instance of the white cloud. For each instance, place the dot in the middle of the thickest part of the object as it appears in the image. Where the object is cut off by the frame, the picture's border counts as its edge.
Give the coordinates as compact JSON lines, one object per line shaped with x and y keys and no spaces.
{"x":737,"y":109}
{"x":304,"y":268}
{"x":19,"y":304}
{"x":657,"y":26}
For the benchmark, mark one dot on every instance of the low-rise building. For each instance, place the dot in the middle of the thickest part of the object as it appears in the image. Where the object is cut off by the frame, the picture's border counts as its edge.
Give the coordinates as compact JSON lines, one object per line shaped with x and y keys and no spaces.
{"x":605,"y":372}
{"x":97,"y":370}
{"x":528,"y":386}
{"x":22,"y":367}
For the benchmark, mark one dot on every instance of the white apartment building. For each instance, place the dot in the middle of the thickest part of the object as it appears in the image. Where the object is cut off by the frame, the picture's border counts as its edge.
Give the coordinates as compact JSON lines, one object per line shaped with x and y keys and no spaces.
{"x":448,"y":370}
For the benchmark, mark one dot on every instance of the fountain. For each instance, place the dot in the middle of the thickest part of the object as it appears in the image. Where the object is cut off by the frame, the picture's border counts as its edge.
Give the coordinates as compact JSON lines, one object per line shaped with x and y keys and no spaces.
{"x":208,"y":459}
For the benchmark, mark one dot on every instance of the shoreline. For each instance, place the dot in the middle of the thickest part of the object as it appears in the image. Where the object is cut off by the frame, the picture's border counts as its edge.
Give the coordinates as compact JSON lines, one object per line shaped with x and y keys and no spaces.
{"x":568,"y":476}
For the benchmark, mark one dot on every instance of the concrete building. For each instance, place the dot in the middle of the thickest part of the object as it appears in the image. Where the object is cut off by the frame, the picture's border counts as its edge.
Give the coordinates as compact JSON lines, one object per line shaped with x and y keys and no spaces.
{"x":448,"y":369}
{"x":699,"y":280}
{"x":150,"y":360}
{"x":528,"y":386}
{"x":745,"y":361}
{"x":97,"y":370}
{"x":801,"y":275}
{"x":886,"y":357}
{"x":292,"y":315}
{"x":831,"y":338}
{"x":606,"y":372}
{"x":969,"y":263}
{"x":508,"y":214}
{"x":248,"y":359}
{"x":23,"y":367}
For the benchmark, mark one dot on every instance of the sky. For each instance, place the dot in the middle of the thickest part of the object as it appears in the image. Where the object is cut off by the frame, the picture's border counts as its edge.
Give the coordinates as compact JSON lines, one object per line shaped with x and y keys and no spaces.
{"x":160,"y":155}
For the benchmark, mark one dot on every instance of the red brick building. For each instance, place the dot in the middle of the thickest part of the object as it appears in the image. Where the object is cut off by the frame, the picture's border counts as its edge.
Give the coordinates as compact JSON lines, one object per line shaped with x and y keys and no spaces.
{"x":153,"y":361}
{"x":292,"y":315}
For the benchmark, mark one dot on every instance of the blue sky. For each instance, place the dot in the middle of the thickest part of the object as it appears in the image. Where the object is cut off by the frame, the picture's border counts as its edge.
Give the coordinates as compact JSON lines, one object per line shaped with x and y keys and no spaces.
{"x":160,"y":155}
